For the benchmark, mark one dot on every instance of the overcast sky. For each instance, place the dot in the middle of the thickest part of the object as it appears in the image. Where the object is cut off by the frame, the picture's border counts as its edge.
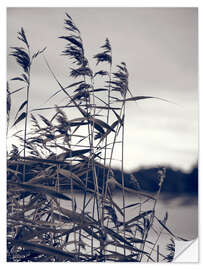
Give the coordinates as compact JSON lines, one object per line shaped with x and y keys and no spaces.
{"x":159,"y":46}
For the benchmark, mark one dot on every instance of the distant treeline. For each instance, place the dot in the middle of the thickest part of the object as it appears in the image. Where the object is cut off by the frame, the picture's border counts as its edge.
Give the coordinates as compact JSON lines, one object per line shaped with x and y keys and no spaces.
{"x":176,"y":181}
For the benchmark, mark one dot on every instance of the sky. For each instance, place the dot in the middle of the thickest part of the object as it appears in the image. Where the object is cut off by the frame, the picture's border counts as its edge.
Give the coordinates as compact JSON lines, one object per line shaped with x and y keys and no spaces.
{"x":160,"y":48}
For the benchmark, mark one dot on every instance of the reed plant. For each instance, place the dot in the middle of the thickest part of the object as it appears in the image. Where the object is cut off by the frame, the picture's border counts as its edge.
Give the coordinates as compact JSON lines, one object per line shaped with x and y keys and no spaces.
{"x":62,"y":158}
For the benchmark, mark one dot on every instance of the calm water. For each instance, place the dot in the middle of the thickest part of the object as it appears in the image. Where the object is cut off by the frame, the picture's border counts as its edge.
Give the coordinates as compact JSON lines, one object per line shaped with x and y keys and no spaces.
{"x":182,"y":211}
{"x":182,"y":215}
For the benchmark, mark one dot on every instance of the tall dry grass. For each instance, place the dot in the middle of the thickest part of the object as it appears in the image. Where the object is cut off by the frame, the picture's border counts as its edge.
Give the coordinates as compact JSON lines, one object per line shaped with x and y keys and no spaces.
{"x":61,"y":156}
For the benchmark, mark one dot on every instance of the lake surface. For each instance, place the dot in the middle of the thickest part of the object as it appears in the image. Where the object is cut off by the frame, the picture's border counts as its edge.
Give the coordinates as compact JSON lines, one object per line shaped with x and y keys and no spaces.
{"x":182,"y":211}
{"x":182,"y":215}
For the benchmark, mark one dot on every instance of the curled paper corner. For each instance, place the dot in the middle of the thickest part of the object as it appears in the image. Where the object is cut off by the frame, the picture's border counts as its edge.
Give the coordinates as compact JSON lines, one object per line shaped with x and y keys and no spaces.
{"x":186,"y":252}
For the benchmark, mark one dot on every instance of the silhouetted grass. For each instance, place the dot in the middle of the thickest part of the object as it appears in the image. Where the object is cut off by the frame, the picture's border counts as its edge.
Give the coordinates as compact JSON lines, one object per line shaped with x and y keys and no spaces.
{"x":63,"y":154}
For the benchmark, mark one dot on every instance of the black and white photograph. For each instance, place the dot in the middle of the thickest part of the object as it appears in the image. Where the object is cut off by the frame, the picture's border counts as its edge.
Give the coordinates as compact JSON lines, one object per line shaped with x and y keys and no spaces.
{"x":102,"y":133}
